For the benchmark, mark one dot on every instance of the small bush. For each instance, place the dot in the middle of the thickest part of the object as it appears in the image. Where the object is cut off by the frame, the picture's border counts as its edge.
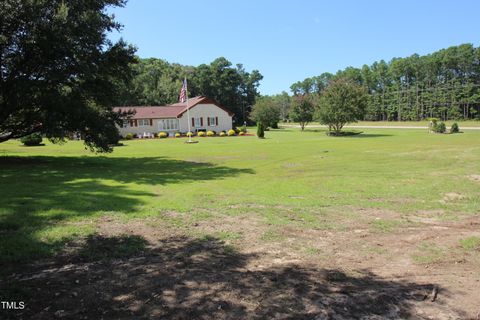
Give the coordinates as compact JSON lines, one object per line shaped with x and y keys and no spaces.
{"x":222,"y":134}
{"x":201,"y":134}
{"x":129,"y":136}
{"x":189,"y":134}
{"x":162,"y":135}
{"x":231,"y":132}
{"x":34,"y":139}
{"x":210,"y":133}
{"x":454,"y":128}
{"x":241,"y":133}
{"x":440,"y":128}
{"x":177,"y":135}
{"x":241,"y":129}
{"x":260,"y":131}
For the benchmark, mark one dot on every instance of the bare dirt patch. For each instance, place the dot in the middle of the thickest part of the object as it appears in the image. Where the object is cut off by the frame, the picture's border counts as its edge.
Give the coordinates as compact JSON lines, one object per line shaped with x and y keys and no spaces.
{"x":453,"y":196}
{"x":144,"y":268}
{"x":187,"y":278}
{"x":474,"y":177}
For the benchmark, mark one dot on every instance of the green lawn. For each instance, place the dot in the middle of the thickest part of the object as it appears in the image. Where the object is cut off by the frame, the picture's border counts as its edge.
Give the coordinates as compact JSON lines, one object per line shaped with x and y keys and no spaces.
{"x":56,"y":193}
{"x":461,"y":123}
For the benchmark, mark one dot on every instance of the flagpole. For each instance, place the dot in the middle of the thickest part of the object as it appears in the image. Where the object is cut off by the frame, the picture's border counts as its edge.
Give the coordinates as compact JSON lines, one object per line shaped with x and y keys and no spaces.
{"x":188,"y":112}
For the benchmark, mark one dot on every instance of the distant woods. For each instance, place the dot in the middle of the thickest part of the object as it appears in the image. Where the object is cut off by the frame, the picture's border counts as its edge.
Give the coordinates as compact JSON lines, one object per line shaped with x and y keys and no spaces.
{"x":444,"y":85}
{"x":158,"y":82}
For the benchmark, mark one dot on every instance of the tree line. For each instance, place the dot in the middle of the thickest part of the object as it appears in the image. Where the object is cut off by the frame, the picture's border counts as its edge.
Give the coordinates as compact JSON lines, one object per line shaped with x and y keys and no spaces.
{"x":158,"y":82}
{"x":444,"y":85}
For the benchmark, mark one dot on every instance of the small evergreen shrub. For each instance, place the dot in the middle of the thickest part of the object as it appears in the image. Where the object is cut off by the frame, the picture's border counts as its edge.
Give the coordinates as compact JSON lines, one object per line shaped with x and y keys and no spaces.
{"x":201,"y":134}
{"x":440,"y":127}
{"x":177,"y":135}
{"x":189,"y":134}
{"x":454,"y":128}
{"x":34,"y":139}
{"x":162,"y":135}
{"x":210,"y":133}
{"x":222,"y":134}
{"x":260,"y":131}
{"x":231,"y":132}
{"x":241,"y":133}
{"x":129,"y":136}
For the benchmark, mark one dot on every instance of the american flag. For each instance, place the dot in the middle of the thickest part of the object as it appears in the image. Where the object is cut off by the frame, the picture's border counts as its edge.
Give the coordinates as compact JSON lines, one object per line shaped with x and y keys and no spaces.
{"x":183,"y":92}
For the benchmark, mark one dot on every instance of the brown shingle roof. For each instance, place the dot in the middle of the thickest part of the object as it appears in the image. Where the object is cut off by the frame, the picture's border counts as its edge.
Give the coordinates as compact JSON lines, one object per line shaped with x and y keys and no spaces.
{"x":170,"y":111}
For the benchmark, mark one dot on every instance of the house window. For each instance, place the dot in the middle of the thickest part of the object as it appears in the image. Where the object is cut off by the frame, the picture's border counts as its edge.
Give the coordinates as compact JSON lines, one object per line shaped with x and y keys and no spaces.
{"x":212,"y":121}
{"x":144,"y":122}
{"x":168,"y":124}
{"x":198,"y":122}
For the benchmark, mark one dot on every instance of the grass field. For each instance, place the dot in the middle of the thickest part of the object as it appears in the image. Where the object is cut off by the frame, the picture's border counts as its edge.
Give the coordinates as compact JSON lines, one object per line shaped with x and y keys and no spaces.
{"x":461,"y":123}
{"x":399,"y":203}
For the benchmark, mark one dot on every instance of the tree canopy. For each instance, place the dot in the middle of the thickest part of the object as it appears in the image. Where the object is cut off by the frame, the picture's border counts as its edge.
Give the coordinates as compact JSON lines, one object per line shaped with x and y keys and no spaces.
{"x":444,"y":84}
{"x":157,"y":82}
{"x":58,"y":71}
{"x":343,"y":101}
{"x":265,"y":113}
{"x":302,"y":110}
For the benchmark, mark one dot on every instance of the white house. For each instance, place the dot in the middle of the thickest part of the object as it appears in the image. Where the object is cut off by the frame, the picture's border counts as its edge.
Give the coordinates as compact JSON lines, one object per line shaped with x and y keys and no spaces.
{"x":205,"y":114}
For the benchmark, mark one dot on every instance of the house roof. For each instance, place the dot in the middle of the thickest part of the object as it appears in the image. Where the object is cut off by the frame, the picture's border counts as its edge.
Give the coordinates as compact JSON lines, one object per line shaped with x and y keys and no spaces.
{"x":175,"y":110}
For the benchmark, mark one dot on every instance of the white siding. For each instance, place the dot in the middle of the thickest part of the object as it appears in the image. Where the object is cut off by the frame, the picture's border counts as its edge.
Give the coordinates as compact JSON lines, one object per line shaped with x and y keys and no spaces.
{"x":199,"y":111}
{"x":138,"y":130}
{"x":204,"y":111}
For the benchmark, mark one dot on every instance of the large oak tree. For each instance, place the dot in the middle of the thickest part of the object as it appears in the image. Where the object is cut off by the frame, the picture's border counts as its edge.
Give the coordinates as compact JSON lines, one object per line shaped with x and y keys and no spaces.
{"x":59,"y":73}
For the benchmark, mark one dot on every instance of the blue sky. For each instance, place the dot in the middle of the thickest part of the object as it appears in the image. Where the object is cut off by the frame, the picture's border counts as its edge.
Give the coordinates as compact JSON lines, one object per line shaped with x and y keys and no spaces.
{"x":288,"y":41}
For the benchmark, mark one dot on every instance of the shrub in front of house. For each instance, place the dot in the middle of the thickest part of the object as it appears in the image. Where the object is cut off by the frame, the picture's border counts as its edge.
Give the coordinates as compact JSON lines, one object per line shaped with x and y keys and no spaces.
{"x":210,"y":133}
{"x":129,"y":136}
{"x":34,"y":139}
{"x":241,"y":129}
{"x":189,"y":134}
{"x":455,"y":128}
{"x":201,"y":134}
{"x":177,"y":135}
{"x":162,"y":135}
{"x":222,"y":134}
{"x":231,"y":132}
{"x":241,"y":133}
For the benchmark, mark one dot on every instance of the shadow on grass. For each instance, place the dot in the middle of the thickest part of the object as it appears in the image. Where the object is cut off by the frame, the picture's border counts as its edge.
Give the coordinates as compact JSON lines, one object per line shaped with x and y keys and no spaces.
{"x":358,"y":135}
{"x":40,"y":192}
{"x":185,"y":278}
